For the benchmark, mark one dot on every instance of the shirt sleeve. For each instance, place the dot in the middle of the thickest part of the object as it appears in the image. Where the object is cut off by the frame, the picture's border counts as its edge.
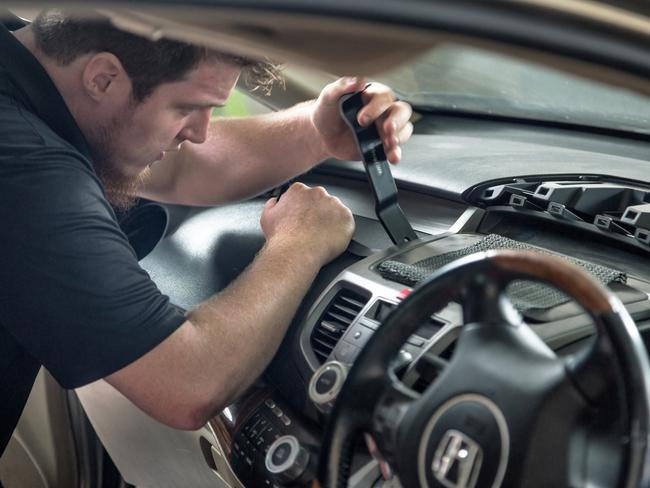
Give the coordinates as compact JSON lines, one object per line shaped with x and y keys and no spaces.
{"x":71,"y":289}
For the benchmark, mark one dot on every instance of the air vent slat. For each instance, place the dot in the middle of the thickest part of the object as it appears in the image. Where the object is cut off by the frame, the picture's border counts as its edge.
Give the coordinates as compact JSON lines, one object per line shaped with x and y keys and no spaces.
{"x":355,"y":303}
{"x":337,"y":317}
{"x":328,"y":335}
{"x":323,"y":343}
{"x":344,"y":320}
{"x":347,"y":310}
{"x":322,"y":357}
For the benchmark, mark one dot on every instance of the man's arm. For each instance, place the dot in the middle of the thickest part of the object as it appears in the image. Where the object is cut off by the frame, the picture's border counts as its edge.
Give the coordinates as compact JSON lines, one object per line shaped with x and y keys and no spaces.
{"x":242,"y":157}
{"x":228,"y":340}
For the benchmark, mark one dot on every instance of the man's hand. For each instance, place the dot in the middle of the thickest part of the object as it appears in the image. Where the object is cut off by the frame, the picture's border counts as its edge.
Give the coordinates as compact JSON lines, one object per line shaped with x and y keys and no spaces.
{"x":391,"y":117}
{"x":308,"y":219}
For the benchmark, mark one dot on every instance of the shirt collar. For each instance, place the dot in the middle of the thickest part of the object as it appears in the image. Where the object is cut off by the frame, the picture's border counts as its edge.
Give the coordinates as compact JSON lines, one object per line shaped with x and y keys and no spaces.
{"x":39,"y":91}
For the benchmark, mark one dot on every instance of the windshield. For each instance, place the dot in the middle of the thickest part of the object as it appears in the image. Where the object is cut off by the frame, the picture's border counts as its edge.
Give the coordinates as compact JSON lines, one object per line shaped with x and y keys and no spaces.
{"x":470,"y":79}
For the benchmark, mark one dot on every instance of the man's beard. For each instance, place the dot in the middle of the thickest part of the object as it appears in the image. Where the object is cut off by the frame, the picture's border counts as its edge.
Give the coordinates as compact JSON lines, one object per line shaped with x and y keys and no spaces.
{"x":121,"y":189}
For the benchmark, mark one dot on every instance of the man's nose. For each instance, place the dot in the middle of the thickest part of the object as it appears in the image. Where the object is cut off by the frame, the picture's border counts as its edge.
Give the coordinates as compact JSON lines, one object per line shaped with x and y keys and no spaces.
{"x":196,"y":130}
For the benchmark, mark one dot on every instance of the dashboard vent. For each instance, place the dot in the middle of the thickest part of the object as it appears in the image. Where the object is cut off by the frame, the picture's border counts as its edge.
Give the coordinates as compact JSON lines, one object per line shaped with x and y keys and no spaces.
{"x":339,"y":314}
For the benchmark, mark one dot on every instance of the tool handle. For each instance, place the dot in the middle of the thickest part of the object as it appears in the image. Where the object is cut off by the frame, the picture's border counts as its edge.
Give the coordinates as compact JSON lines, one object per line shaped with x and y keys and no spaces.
{"x":378,"y":170}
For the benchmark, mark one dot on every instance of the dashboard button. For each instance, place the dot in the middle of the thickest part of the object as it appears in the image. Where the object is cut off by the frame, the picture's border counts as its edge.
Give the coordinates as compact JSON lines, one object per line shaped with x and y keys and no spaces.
{"x":346,"y":352}
{"x":286,"y":459}
{"x":281,"y":453}
{"x":371,"y":324}
{"x":358,"y":335}
{"x":415,"y":341}
{"x":255,"y":431}
{"x":326,"y":381}
{"x":285,"y":420}
{"x":270,"y":435}
{"x":237,"y":448}
{"x":277,"y":412}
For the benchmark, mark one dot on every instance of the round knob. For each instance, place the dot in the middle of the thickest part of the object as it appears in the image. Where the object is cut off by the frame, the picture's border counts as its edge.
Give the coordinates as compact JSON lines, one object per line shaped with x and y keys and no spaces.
{"x":286,"y":459}
{"x":326,"y":384}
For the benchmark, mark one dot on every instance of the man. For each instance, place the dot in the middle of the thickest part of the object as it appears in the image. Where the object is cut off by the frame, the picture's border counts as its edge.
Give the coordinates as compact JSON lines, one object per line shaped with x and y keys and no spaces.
{"x":90,"y":114}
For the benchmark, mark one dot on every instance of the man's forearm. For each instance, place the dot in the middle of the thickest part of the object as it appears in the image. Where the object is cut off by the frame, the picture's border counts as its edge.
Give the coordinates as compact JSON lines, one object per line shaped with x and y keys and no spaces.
{"x":247,"y":321}
{"x":241,"y":158}
{"x":223,"y":346}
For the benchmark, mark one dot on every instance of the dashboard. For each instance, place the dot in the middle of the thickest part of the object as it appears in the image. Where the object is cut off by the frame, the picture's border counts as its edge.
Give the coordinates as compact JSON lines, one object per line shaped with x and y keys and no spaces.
{"x":302,"y":383}
{"x":271,"y":436}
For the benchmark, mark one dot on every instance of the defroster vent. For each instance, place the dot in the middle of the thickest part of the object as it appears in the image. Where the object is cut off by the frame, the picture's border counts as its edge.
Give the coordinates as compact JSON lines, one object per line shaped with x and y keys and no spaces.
{"x":339,"y":314}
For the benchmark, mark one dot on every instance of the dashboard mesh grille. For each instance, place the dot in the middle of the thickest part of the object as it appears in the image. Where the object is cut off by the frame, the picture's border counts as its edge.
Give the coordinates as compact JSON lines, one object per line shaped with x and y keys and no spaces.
{"x":339,"y":314}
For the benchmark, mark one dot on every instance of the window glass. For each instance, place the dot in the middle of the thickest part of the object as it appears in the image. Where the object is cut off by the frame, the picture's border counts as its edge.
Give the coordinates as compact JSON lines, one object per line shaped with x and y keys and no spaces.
{"x":459,"y":77}
{"x":240,"y":104}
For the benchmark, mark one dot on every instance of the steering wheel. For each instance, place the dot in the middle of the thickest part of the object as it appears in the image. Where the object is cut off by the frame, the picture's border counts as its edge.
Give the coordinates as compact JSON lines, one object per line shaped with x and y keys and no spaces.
{"x":506,"y":410}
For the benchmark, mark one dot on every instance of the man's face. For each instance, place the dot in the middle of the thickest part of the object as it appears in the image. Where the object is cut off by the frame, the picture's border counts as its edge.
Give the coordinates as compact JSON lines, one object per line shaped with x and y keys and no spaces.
{"x":140,"y":133}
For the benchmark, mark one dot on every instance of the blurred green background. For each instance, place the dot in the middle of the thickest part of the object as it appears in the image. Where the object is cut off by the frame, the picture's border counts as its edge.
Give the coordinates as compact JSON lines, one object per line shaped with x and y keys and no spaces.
{"x":240,"y":104}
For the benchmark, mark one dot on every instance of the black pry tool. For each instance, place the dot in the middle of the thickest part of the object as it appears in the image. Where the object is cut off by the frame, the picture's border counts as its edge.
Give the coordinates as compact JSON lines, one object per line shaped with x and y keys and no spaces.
{"x":388,"y":211}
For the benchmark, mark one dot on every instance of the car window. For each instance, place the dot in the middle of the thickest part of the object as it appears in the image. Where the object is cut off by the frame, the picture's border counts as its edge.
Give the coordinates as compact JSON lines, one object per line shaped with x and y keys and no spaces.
{"x":240,"y":104}
{"x":467,"y":78}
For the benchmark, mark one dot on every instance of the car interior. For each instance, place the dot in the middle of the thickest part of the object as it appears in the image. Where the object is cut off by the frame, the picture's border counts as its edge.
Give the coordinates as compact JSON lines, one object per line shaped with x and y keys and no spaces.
{"x":488,"y":324}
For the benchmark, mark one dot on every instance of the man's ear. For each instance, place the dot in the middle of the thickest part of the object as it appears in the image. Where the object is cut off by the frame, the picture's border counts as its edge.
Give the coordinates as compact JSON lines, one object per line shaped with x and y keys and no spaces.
{"x":105,"y":79}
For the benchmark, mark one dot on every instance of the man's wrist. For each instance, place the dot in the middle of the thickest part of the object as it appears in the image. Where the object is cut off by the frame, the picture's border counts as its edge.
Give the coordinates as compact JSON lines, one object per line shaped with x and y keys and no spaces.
{"x":313,"y":137}
{"x":291,"y":251}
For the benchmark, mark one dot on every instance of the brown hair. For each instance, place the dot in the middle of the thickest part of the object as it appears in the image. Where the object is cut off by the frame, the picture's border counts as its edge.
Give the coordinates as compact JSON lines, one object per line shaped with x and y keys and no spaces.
{"x":64,"y":37}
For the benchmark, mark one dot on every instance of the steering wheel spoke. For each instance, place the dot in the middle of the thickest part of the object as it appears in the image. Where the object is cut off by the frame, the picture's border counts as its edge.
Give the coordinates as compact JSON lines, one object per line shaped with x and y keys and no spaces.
{"x":590,"y":369}
{"x":389,"y":412}
{"x":483,"y":300}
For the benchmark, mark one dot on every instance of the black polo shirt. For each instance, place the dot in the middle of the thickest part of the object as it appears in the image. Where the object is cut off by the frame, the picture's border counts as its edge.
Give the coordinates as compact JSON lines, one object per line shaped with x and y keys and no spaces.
{"x":72,"y":295}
